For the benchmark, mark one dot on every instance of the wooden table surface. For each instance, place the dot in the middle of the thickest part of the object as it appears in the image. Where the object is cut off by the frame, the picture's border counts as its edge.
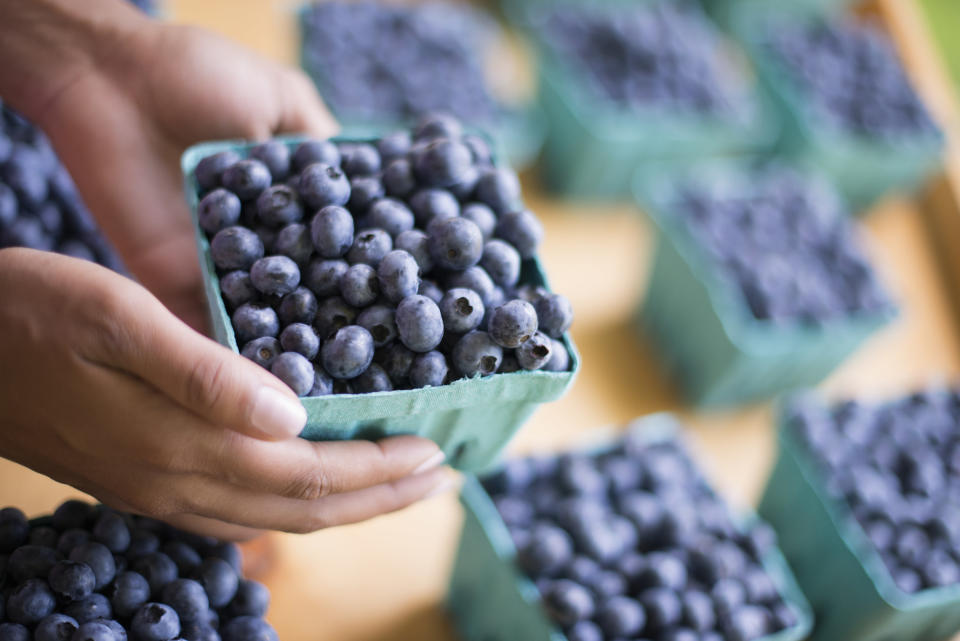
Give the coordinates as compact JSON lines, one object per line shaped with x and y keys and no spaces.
{"x":385,"y":579}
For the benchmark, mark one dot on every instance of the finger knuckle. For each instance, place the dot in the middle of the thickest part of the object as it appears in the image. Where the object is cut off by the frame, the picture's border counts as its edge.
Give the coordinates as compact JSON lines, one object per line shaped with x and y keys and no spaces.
{"x":205,"y":384}
{"x":310,"y":485}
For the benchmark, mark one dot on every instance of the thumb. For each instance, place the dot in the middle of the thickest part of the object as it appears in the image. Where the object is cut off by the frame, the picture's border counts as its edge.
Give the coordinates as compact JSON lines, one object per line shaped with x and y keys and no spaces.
{"x":205,"y":377}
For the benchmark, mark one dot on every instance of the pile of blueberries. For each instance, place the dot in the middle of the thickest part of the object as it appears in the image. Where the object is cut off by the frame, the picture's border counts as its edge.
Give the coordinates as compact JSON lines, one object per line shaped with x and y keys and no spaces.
{"x":853,"y":77}
{"x":896,"y":467}
{"x":88,"y":573}
{"x":381,"y":62}
{"x":632,"y":543}
{"x":355,"y":267}
{"x":638,"y":55}
{"x":783,"y":239}
{"x":39,"y":204}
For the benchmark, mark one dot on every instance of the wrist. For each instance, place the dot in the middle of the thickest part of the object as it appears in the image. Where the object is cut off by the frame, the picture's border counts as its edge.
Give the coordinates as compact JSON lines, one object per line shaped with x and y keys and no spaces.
{"x":47,"y":45}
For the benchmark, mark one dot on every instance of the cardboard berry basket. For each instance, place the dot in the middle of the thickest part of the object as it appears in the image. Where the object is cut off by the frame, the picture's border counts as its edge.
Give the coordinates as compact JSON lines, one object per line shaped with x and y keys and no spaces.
{"x":517,"y":132}
{"x":836,"y":565}
{"x":490,"y":598}
{"x":470,"y":419}
{"x":722,"y":10}
{"x":863,"y":168}
{"x":720,"y":352}
{"x":593,"y":147}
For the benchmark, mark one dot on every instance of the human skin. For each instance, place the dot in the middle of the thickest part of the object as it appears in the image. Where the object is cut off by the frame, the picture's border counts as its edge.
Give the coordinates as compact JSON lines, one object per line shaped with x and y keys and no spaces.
{"x":109,"y":385}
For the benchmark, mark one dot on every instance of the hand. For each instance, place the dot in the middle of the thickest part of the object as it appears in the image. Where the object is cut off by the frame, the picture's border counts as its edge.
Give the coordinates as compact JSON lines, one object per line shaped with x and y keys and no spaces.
{"x":103,"y":388}
{"x":121,"y":122}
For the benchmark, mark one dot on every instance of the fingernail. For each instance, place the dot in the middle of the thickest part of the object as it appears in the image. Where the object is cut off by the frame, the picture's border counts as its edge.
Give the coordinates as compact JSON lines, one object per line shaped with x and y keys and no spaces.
{"x":277,"y":414}
{"x":435,"y":460}
{"x":440,"y":488}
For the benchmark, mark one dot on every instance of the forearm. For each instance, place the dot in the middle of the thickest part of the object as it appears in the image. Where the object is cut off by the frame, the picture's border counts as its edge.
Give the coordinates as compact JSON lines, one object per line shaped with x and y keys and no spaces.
{"x":46,"y":45}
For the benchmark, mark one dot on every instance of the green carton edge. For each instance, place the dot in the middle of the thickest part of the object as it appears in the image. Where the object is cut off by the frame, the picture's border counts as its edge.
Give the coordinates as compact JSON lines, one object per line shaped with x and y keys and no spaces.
{"x":738,"y":357}
{"x":835,"y":563}
{"x":490,"y":599}
{"x":470,"y":419}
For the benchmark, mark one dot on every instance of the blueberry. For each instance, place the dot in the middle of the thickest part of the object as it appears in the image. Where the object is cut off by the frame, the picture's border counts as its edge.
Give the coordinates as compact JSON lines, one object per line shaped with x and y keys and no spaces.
{"x":431,"y":204}
{"x":359,"y":159}
{"x":509,"y":364}
{"x":567,"y":602}
{"x":254,"y":321}
{"x":275,"y":155}
{"x":333,"y":314}
{"x":128,"y":592}
{"x":380,"y":322}
{"x":417,"y":244}
{"x":261,"y":351}
{"x":359,"y":286}
{"x":513,"y":323}
{"x":369,"y":247}
{"x":364,"y":191}
{"x":548,"y":549}
{"x":348,"y":353}
{"x":315,"y":151}
{"x":499,"y":189}
{"x":373,"y":379}
{"x":477,"y":279}
{"x":252,"y":599}
{"x":759,"y":586}
{"x":462,"y":310}
{"x":112,"y":531}
{"x":75,"y":249}
{"x":476,"y":353}
{"x":267,"y":236}
{"x":430,"y":289}
{"x":56,"y":627}
{"x":397,"y":361}
{"x":398,"y":275}
{"x":322,"y":383}
{"x":235,"y":248}
{"x":294,"y":242}
{"x":321,"y":185}
{"x":14,"y":632}
{"x":188,"y":599}
{"x":522,"y":230}
{"x":443,"y":162}
{"x":278,"y":206}
{"x":299,"y":306}
{"x":218,"y":209}
{"x":275,"y":275}
{"x":94,"y":631}
{"x":30,"y":602}
{"x":70,"y":539}
{"x":14,"y":529}
{"x":300,"y":338}
{"x":455,"y":243}
{"x":584,"y":631}
{"x":73,"y":514}
{"x":662,"y":607}
{"x":621,"y":616}
{"x":727,"y":595}
{"x":237,"y":289}
{"x":51,"y":219}
{"x":502,"y":262}
{"x":322,"y":277}
{"x":209,"y":171}
{"x":747,"y":622}
{"x":246,"y":178}
{"x":248,"y":629}
{"x":332,"y":231}
{"x":71,"y":580}
{"x":294,"y":370}
{"x":437,"y":125}
{"x":479,"y":149}
{"x":419,"y":323}
{"x":394,"y":145}
{"x":155,"y":622}
{"x":428,"y":370}
{"x":398,"y":179}
{"x":555,"y":314}
{"x":390,"y":215}
{"x":698,"y":610}
{"x":158,"y":569}
{"x":483,"y":217}
{"x":535,"y":353}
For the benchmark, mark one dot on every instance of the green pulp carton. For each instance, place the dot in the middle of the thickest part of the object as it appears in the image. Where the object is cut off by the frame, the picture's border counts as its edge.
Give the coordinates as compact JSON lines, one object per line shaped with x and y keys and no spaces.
{"x":863,"y":168}
{"x":517,"y":131}
{"x":470,"y":419}
{"x":722,"y":11}
{"x":720,"y":352}
{"x":490,"y":599}
{"x":594,"y":147}
{"x":838,"y":568}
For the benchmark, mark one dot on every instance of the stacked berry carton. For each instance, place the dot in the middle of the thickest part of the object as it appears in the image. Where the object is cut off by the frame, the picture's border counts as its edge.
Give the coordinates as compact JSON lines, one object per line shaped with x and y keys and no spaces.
{"x":636,"y":84}
{"x":471,"y":417}
{"x":846,"y":105}
{"x":869,"y":523}
{"x":380,"y":66}
{"x":634,"y":591}
{"x":768,"y":292}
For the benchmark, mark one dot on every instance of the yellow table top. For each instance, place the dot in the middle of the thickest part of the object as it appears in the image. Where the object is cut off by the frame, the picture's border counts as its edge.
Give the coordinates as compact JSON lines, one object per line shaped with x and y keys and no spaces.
{"x":385,"y":579}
